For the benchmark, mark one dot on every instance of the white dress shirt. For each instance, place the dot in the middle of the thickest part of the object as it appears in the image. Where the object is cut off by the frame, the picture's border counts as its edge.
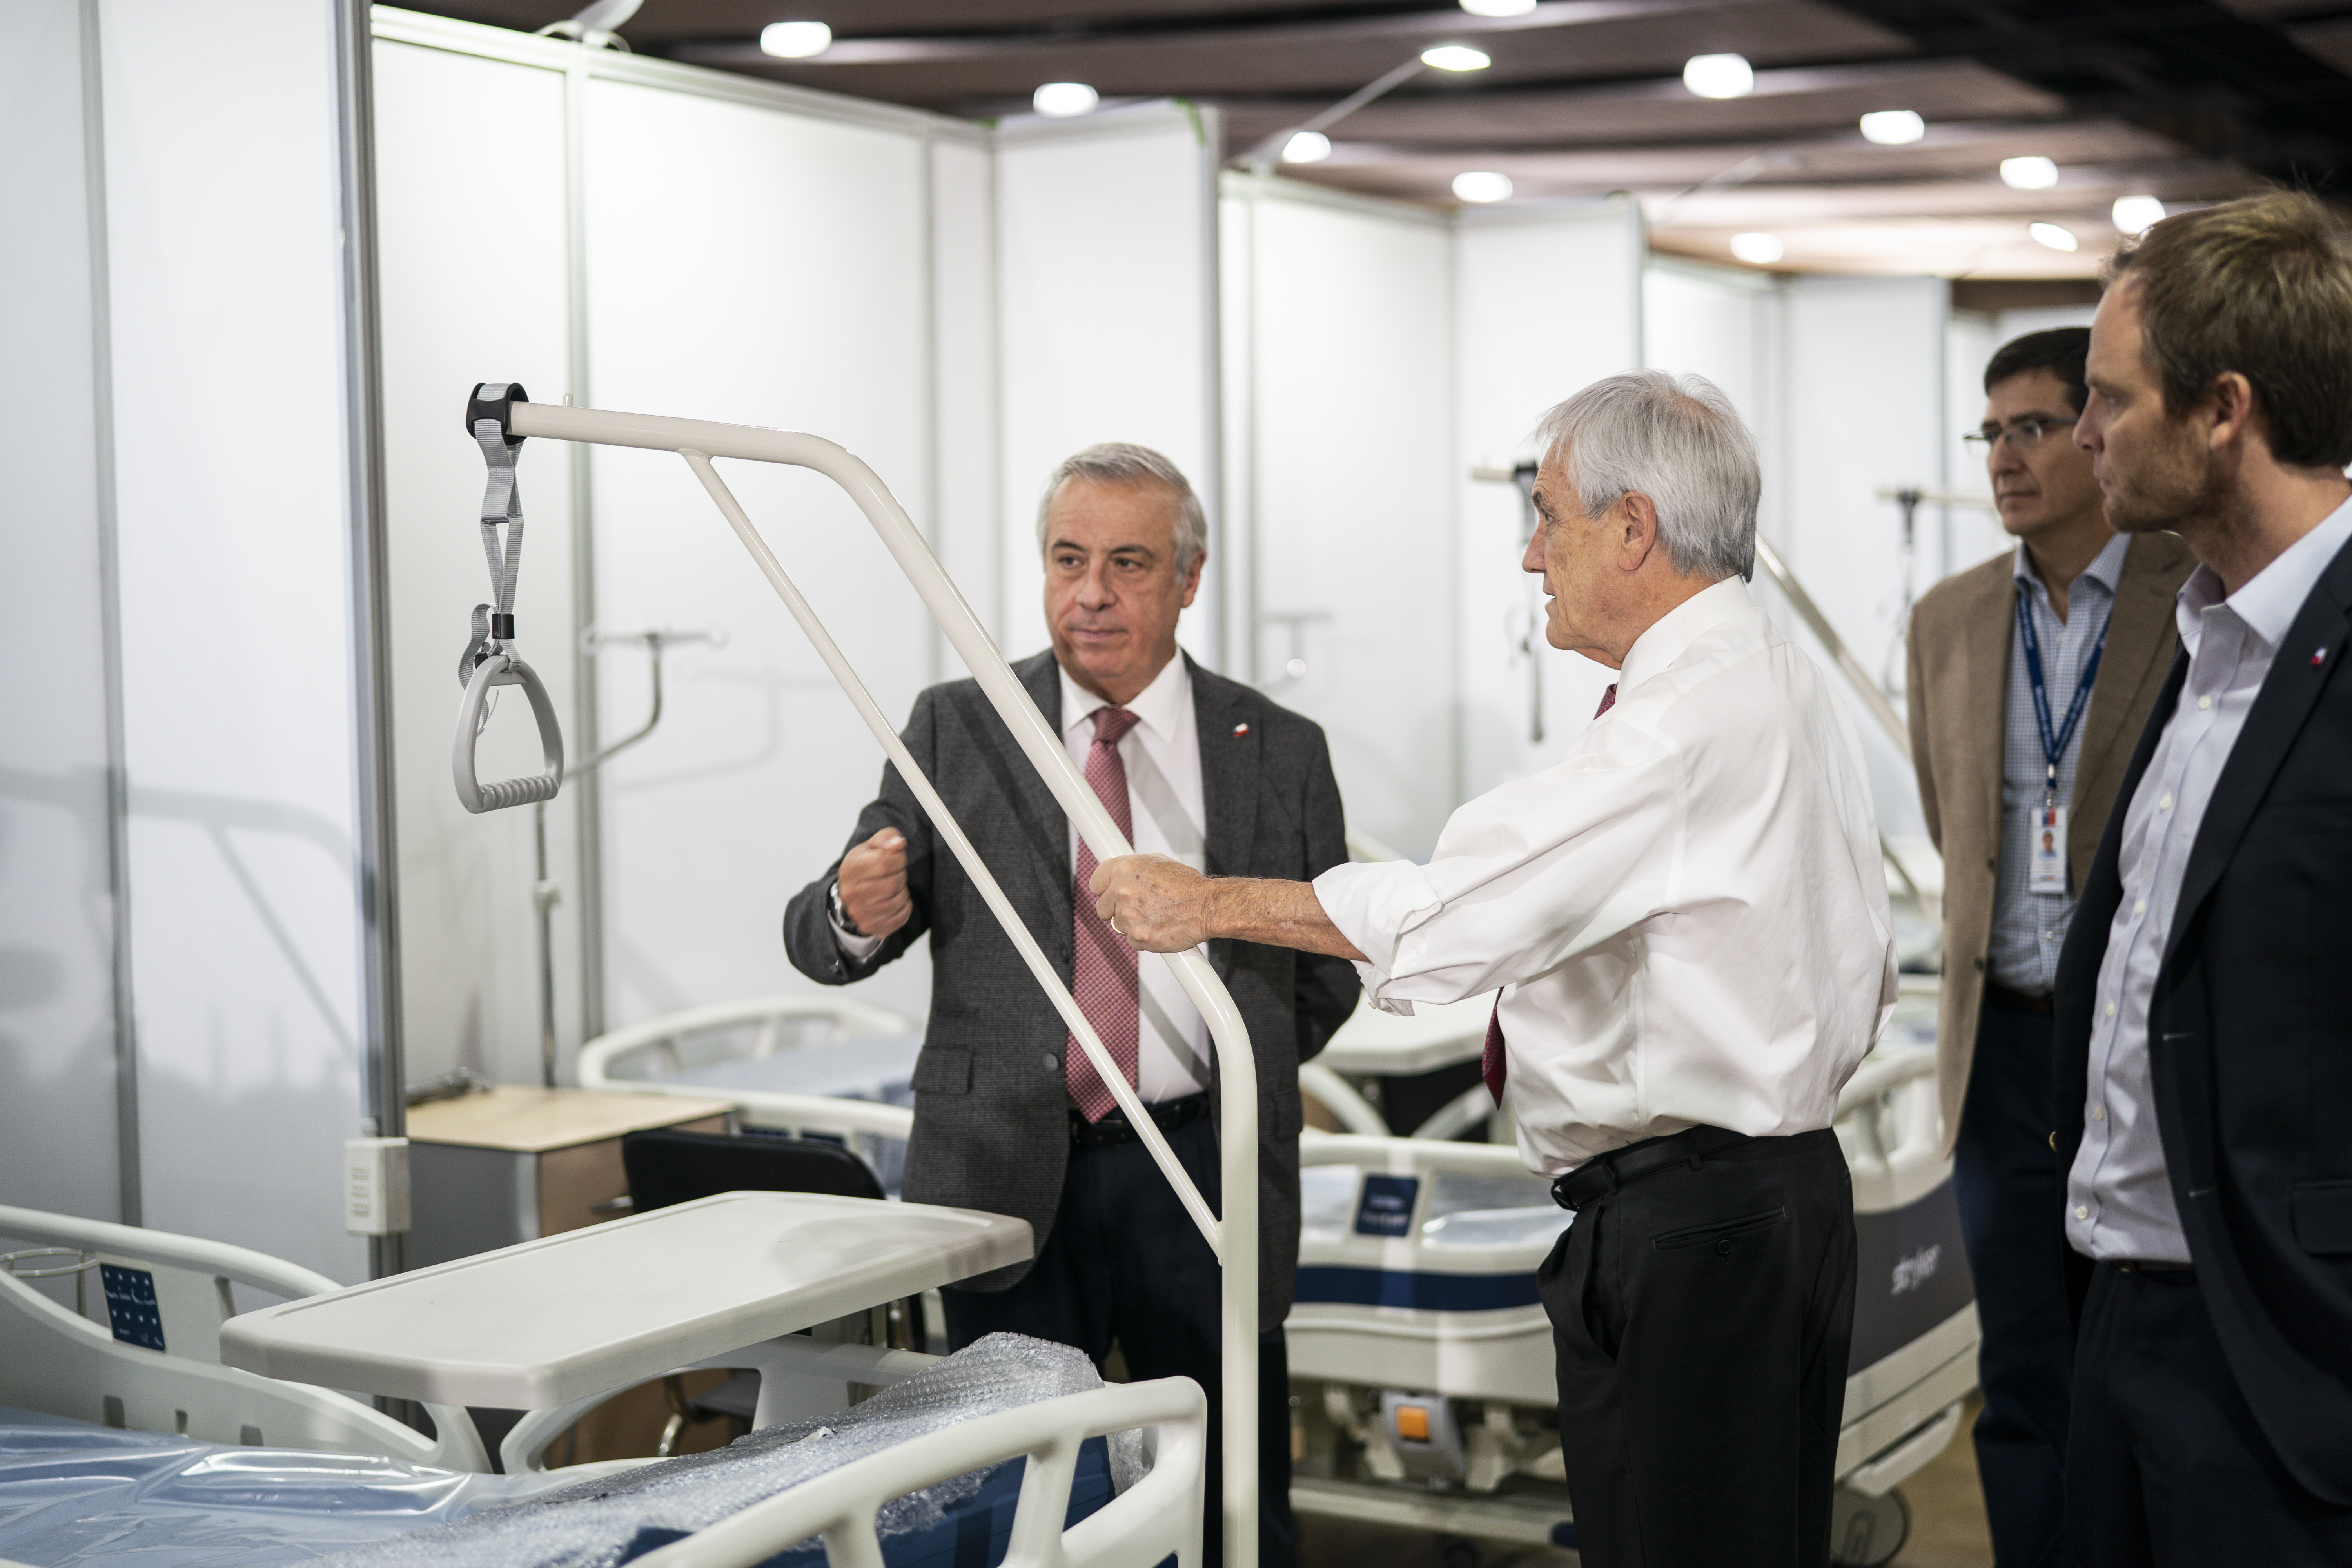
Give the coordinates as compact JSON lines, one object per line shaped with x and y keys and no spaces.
{"x":1689,"y":909}
{"x":1162,"y":753}
{"x":2118,"y":1197}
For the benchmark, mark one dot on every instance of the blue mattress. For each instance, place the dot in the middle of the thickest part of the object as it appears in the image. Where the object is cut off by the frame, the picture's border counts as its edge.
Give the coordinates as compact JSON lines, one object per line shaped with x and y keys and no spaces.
{"x":71,"y":1493}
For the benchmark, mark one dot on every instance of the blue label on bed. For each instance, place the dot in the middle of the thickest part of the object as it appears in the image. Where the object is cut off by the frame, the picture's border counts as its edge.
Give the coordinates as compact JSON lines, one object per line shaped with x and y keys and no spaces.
{"x":130,"y":1305}
{"x":1386,"y":1207}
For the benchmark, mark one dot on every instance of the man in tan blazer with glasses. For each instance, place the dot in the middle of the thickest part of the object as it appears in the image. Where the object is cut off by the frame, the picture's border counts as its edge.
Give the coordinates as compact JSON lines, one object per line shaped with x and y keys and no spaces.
{"x":2030,"y":678}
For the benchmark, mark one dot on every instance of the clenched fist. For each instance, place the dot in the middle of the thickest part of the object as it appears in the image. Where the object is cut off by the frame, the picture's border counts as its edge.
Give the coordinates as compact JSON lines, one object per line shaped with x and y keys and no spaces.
{"x":874,"y":884}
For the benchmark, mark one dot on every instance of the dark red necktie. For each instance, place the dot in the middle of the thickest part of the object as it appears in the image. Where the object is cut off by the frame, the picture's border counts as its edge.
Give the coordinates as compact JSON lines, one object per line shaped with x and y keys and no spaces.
{"x":1102,"y":969}
{"x":1491,"y":1065}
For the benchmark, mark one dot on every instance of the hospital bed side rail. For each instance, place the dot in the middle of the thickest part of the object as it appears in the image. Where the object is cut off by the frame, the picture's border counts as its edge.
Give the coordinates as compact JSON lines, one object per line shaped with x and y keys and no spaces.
{"x":1234,"y":1236}
{"x":456,"y":1443}
{"x":1158,"y":1515}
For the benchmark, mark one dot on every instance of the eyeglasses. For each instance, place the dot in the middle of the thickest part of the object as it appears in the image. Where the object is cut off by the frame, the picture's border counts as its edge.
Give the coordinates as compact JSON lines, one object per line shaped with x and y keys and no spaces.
{"x":2023,"y":435}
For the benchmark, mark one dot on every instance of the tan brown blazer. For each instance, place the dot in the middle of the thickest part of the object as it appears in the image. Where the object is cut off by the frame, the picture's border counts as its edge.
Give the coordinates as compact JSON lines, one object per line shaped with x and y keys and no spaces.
{"x":1957,"y":689}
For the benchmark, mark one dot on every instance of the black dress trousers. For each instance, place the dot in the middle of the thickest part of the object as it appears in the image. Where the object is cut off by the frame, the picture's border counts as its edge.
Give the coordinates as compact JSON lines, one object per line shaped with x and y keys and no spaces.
{"x":1702,"y":1316}
{"x":1126,"y":1263}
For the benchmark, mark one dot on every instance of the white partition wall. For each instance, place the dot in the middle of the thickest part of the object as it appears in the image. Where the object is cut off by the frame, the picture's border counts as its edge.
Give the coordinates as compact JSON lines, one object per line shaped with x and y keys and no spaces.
{"x":763,"y":268}
{"x":58,"y":1120}
{"x":455,"y":314}
{"x":1106,"y":321}
{"x":187,"y":370}
{"x":1339,"y":379}
{"x":1545,"y":301}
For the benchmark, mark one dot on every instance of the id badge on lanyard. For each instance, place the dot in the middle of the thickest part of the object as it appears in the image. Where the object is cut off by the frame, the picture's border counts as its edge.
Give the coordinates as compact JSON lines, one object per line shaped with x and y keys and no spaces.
{"x":2046,"y":858}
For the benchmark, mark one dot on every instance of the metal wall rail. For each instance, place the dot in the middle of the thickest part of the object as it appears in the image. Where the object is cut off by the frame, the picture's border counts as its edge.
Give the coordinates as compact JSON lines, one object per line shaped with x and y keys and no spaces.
{"x":1235,"y":1236}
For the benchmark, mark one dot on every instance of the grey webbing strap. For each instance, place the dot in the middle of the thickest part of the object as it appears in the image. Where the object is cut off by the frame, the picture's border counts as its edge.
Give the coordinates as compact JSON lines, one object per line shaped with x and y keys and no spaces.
{"x":501,"y":503}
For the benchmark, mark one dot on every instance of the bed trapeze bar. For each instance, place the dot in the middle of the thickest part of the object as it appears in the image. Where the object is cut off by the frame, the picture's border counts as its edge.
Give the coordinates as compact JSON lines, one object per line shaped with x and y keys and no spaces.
{"x":1235,"y":1236}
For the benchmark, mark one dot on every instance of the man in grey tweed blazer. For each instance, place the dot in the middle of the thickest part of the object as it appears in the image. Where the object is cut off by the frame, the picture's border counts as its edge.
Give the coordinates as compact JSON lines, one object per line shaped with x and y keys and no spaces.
{"x":1212,"y":773}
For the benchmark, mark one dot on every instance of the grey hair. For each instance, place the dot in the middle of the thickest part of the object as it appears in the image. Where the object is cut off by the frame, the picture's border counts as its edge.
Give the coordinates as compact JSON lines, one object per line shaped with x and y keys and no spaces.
{"x":1676,"y":439}
{"x":1125,"y":463}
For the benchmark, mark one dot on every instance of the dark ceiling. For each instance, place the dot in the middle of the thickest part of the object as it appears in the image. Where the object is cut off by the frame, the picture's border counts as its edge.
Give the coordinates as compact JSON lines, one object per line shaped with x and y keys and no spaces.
{"x":2188,"y":101}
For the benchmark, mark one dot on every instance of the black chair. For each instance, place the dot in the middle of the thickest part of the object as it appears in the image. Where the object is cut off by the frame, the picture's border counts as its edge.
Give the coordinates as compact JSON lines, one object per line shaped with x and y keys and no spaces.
{"x":667,"y":1167}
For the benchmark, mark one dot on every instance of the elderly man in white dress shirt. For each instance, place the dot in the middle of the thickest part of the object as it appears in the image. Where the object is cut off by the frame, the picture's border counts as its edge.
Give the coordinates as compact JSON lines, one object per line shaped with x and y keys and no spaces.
{"x":1685,"y":923}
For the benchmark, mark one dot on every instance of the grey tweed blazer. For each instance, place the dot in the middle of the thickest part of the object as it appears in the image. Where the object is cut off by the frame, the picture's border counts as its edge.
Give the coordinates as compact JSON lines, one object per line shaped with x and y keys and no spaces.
{"x":992,"y":1128}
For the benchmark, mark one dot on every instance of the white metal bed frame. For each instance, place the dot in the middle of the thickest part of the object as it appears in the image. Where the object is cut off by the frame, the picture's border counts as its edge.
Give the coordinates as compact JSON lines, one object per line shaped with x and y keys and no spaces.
{"x":1234,"y":1237}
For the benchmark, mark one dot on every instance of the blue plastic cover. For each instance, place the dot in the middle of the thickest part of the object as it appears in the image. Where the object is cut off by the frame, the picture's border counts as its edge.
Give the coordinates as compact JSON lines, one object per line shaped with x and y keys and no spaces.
{"x":71,"y":1493}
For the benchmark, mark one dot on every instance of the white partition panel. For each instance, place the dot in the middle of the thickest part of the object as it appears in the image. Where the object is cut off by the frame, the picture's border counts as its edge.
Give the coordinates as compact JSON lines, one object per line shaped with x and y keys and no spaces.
{"x":1547,"y":300}
{"x":762,"y":268}
{"x":1970,"y":533}
{"x":1106,"y":257}
{"x":1340,"y":395}
{"x":968,"y":531}
{"x":57,"y":1078}
{"x":222,"y":213}
{"x":474,"y":287}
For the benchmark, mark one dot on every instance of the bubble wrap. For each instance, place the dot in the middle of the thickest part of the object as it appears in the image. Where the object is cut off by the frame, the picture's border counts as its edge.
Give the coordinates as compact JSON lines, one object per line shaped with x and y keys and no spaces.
{"x":605,"y":1522}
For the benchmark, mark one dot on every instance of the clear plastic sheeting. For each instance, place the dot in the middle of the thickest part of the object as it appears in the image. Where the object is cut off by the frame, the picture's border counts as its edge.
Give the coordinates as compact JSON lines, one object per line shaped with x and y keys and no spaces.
{"x":71,"y":1493}
{"x":608,"y":1520}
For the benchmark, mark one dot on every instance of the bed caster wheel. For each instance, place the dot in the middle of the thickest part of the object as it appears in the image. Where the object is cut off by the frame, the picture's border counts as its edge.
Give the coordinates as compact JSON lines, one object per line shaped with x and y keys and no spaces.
{"x":1456,"y":1552}
{"x":1866,"y":1532}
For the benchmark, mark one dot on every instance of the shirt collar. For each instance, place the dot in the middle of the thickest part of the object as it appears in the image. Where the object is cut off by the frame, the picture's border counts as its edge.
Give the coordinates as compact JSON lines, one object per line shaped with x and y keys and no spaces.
{"x":2268,"y":601}
{"x":2106,"y":568}
{"x":1158,"y":707}
{"x":1670,"y":634}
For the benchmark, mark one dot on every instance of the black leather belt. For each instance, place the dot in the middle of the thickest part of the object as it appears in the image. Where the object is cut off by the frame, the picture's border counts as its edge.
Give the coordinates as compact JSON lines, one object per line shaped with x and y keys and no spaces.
{"x":1114,"y":1128}
{"x":1604,"y":1174}
{"x":2000,"y":995}
{"x":2150,"y":1265}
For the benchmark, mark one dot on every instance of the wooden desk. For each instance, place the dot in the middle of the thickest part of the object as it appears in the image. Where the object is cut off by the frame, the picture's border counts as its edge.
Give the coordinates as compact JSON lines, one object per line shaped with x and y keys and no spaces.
{"x":490,"y":1170}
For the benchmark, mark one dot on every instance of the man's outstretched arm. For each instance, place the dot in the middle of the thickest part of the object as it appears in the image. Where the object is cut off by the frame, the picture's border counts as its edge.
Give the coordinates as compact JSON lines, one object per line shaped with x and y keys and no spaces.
{"x":1164,"y":906}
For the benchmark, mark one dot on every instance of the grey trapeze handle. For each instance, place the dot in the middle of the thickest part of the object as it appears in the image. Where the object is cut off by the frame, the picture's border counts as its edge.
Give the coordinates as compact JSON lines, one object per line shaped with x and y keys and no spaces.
{"x":490,"y":660}
{"x":505,"y":669}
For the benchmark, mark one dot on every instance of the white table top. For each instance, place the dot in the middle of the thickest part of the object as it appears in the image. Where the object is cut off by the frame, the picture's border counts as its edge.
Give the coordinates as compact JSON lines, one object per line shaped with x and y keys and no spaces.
{"x":540,"y":1324}
{"x":1437,"y":1035}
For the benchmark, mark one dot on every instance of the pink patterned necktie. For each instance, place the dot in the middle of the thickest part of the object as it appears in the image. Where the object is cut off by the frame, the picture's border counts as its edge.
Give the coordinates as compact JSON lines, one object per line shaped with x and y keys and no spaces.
{"x":1103,"y":967}
{"x":1491,"y":1064}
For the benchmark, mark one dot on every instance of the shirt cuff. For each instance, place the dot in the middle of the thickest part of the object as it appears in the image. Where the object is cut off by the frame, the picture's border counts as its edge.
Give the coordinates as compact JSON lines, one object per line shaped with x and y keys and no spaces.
{"x":1372,"y":903}
{"x":858,"y":949}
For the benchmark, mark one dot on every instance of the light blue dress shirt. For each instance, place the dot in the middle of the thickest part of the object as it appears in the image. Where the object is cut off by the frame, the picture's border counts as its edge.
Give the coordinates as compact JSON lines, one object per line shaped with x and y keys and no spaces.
{"x":2029,"y":928}
{"x":2118,"y":1197}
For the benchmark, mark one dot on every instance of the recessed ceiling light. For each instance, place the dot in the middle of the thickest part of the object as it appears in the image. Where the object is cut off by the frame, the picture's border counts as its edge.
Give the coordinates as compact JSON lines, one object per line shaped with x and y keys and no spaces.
{"x":2056,"y":238}
{"x":1498,"y":7}
{"x":2028,"y":174}
{"x":1719,"y":76}
{"x":1455,"y":58}
{"x":1307,"y":147}
{"x":1482,"y":186}
{"x":2138,"y":215}
{"x":1761,"y":249}
{"x":1893,"y":127}
{"x":795,"y":40}
{"x":1061,"y":100}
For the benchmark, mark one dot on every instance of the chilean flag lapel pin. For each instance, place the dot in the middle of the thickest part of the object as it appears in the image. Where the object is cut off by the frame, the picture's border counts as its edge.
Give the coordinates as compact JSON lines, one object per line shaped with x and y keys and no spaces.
{"x":2317,"y":656}
{"x":1240,"y":729}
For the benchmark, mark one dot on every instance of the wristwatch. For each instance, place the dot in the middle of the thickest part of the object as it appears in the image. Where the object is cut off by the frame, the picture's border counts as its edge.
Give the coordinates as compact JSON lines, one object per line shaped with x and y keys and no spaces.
{"x":840,"y":914}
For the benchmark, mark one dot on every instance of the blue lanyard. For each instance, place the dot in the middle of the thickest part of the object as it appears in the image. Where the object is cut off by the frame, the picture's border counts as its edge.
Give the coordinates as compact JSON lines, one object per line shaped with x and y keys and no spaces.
{"x":2054,"y":741}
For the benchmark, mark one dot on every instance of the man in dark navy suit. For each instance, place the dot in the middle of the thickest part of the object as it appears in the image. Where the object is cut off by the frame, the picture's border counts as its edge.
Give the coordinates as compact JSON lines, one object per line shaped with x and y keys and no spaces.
{"x":2203,"y":1010}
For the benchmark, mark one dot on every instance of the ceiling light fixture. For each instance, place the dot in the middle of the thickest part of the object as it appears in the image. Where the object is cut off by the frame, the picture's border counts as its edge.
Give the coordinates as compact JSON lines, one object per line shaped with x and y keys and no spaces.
{"x":1455,"y":58}
{"x":1719,"y":76}
{"x":2056,"y":238}
{"x":2028,"y":174}
{"x":1760,"y":249}
{"x":2138,"y":215}
{"x":1482,"y":186}
{"x":795,"y":40}
{"x":1498,"y":7}
{"x":1062,"y":100}
{"x":1893,"y":127}
{"x":1307,"y":147}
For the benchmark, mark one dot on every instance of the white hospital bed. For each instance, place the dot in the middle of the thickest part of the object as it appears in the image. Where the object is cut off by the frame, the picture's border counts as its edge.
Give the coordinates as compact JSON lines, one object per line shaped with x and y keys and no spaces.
{"x":1424,"y":1362}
